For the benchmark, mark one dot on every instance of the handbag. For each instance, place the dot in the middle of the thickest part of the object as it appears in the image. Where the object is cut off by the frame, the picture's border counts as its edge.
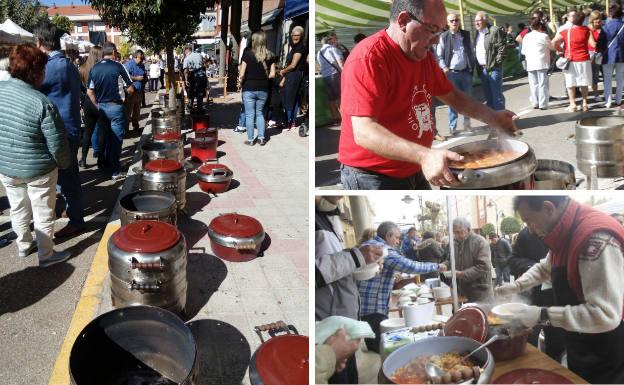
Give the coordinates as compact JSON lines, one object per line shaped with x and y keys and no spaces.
{"x":563,"y":63}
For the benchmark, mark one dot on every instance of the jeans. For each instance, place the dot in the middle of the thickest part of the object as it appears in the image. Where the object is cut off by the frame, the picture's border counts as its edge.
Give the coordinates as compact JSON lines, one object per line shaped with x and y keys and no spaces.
{"x":538,"y":88}
{"x":254,"y":105}
{"x":71,"y":188}
{"x":607,"y":74}
{"x":492,"y":82}
{"x":463,"y":82}
{"x":241,"y":117}
{"x":33,"y":198}
{"x":89,"y":136}
{"x":153,"y":84}
{"x":112,"y":122}
{"x":502,"y":274}
{"x":357,"y":179}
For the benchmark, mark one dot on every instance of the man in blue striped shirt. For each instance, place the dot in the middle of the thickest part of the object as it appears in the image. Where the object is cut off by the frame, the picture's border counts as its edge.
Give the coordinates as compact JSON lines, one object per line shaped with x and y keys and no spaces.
{"x":375,"y":293}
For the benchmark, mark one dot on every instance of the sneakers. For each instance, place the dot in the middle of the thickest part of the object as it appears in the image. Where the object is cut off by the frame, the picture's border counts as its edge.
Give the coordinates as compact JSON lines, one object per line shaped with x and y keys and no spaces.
{"x":240,"y":129}
{"x":56,"y":257}
{"x":249,"y":142}
{"x":118,"y":176}
{"x":31,"y":249}
{"x":82,"y":163}
{"x":262,"y":141}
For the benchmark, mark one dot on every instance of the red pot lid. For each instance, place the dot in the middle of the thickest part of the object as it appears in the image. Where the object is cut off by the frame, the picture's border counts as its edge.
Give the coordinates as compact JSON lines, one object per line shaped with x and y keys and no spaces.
{"x":468,"y":322}
{"x":168,"y":135}
{"x":203,"y":140}
{"x":532,"y":376}
{"x":236,"y":225}
{"x":207,"y":168}
{"x":284,"y":360}
{"x":163,"y":165}
{"x":146,"y":237}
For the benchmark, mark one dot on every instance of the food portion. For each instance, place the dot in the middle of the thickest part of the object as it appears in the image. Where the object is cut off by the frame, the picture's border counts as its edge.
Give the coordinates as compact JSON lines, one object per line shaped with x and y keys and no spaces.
{"x":451,"y":363}
{"x":485,"y":158}
{"x":495,"y":321}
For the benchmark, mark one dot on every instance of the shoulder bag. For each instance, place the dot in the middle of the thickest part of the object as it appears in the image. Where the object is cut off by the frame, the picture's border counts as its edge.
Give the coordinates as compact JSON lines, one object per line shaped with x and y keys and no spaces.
{"x":564,"y":62}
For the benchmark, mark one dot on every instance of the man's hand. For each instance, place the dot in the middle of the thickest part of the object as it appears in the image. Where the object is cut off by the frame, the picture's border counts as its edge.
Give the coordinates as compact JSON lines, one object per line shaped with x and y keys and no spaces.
{"x":130,"y":90}
{"x":529,"y":316}
{"x":445,"y":70}
{"x":371,"y":253}
{"x":187,"y":83}
{"x":442,"y":267}
{"x":459,"y":273}
{"x":435,"y":169}
{"x":507,"y":289}
{"x":503,"y":121}
{"x":342,"y":348}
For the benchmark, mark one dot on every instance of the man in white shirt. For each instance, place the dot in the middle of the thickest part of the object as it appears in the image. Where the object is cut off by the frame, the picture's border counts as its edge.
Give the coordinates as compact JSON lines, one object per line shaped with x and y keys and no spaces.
{"x":490,"y":43}
{"x":330,"y":59}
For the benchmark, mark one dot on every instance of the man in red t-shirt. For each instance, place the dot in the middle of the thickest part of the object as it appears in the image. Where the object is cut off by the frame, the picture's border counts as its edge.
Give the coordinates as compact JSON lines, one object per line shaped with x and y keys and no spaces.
{"x":388,"y":83}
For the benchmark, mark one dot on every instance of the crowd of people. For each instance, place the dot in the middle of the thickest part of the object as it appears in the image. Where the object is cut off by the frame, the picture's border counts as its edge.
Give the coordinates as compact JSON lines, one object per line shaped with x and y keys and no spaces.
{"x":567,"y":262}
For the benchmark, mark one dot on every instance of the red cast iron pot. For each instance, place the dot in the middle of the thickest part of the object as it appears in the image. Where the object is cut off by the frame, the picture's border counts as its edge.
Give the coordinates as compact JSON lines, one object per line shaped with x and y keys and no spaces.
{"x":209,"y":132}
{"x":204,"y":149}
{"x":214,"y":178}
{"x":236,"y":237}
{"x":281,"y":360}
{"x":167,"y":136}
{"x":472,"y":322}
{"x":200,"y":120}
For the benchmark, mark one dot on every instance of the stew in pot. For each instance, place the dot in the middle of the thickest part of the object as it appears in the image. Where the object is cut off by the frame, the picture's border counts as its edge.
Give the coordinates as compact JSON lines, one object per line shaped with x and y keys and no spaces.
{"x":485,"y":158}
{"x":456,"y":370}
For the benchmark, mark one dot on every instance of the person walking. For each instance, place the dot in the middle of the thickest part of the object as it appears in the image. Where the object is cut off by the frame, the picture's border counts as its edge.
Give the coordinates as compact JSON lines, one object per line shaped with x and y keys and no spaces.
{"x":576,"y":40}
{"x":536,"y":48}
{"x":136,"y":71}
{"x":34,"y":147}
{"x":490,"y":43}
{"x":91,"y":135}
{"x":292,"y":75}
{"x":331,"y":61}
{"x":456,"y":59}
{"x":595,"y":26}
{"x":257,"y":67}
{"x":501,"y":252}
{"x":62,"y":86}
{"x":154,"y":74}
{"x":611,"y":43}
{"x":195,"y":77}
{"x":105,"y":94}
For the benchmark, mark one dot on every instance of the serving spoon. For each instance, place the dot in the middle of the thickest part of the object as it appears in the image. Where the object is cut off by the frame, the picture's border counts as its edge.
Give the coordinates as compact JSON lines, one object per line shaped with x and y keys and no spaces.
{"x":496,"y":337}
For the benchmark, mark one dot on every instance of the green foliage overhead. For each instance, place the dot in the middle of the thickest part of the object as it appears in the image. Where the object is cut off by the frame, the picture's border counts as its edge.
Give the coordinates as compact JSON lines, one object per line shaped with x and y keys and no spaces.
{"x":25,"y":13}
{"x":62,"y":23}
{"x":154,"y":24}
{"x":510,"y":225}
{"x":488,"y":228}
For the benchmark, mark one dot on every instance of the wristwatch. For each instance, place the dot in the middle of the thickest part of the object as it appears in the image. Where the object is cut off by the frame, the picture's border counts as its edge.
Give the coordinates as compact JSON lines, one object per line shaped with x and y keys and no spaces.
{"x":544,"y":319}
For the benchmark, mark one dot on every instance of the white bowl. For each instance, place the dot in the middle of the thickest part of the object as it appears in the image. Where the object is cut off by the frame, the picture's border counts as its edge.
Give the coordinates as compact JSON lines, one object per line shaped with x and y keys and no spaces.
{"x":508,"y":311}
{"x":391,"y":324}
{"x":441,"y":292}
{"x":367,"y":272}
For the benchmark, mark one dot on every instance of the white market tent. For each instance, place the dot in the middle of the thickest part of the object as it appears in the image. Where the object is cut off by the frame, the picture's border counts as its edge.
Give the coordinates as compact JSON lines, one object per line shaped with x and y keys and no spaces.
{"x":13,"y":29}
{"x":332,"y":14}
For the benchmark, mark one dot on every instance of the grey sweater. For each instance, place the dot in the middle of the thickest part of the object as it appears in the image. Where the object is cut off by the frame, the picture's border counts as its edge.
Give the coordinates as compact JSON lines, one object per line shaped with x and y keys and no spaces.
{"x":33,"y":141}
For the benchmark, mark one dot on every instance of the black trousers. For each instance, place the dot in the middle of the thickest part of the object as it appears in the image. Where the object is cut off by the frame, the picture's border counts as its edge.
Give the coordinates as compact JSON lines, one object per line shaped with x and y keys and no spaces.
{"x":90,"y":114}
{"x":373,"y":344}
{"x":348,"y":376}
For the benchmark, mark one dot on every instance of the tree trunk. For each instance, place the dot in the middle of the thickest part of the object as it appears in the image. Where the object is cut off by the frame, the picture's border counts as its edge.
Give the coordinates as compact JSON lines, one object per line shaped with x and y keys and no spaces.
{"x":171,"y":73}
{"x":235,"y":26}
{"x":225,"y":22}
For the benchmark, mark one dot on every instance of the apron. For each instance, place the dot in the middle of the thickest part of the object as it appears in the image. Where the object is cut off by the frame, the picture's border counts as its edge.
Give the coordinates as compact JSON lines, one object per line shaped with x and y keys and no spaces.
{"x":597,"y":358}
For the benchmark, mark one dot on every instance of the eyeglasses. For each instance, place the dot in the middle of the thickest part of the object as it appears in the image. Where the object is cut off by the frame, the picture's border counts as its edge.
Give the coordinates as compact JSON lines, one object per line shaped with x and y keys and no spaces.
{"x":433,"y":30}
{"x":453,"y":20}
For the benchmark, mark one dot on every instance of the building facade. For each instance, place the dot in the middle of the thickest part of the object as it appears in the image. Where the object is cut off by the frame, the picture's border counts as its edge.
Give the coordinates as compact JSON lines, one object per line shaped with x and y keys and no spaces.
{"x":88,"y":25}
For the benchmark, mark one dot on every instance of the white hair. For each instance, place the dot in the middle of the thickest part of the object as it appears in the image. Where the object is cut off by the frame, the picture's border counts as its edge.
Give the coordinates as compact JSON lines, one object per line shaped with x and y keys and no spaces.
{"x":461,"y":222}
{"x":482,"y":13}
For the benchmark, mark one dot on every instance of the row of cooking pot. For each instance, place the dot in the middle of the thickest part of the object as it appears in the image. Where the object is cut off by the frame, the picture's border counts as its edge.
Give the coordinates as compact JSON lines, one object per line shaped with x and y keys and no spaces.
{"x":141,"y":345}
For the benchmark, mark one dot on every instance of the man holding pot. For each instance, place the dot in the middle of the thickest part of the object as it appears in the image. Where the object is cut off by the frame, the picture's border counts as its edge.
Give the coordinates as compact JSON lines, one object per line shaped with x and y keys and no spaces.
{"x":336,"y":291}
{"x":388,"y":85}
{"x":585,"y":265}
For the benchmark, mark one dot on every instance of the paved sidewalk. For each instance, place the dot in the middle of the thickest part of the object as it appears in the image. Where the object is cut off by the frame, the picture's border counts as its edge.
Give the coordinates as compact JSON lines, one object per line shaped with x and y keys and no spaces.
{"x":226,"y":300}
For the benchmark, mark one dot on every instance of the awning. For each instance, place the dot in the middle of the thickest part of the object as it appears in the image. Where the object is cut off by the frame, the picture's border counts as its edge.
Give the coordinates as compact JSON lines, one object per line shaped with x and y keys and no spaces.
{"x":331,"y":14}
{"x":267,"y":18}
{"x":207,"y":41}
{"x":295,"y":8}
{"x":13,"y":29}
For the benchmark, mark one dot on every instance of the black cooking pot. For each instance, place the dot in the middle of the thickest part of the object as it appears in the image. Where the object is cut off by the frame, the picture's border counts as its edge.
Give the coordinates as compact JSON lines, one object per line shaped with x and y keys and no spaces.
{"x":134,"y":345}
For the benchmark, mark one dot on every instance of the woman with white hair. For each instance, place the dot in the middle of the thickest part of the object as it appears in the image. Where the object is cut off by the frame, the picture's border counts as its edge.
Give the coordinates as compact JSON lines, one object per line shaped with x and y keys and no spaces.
{"x":293,"y":75}
{"x":257,"y":67}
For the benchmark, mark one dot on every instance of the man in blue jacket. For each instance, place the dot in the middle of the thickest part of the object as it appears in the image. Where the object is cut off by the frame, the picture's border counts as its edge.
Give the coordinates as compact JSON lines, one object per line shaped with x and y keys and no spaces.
{"x":62,"y":87}
{"x":136,"y":70}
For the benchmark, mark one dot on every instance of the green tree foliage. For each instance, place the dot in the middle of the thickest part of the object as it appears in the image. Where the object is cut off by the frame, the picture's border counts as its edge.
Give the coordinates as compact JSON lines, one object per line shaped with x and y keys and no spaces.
{"x":155,"y":24}
{"x":510,"y":225}
{"x":124,"y":48}
{"x":62,"y":23}
{"x":25,"y":13}
{"x":488,"y":228}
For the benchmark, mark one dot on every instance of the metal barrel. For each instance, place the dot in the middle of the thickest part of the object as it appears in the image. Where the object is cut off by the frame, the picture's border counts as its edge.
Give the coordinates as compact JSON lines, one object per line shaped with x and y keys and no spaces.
{"x":600,"y":143}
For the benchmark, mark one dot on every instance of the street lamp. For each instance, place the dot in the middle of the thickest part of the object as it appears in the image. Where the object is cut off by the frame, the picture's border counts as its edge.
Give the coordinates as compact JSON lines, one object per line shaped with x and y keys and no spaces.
{"x":490,"y":204}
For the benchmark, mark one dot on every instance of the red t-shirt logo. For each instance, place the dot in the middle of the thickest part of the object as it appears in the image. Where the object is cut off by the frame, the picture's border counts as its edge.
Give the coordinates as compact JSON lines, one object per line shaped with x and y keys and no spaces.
{"x":420,"y":118}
